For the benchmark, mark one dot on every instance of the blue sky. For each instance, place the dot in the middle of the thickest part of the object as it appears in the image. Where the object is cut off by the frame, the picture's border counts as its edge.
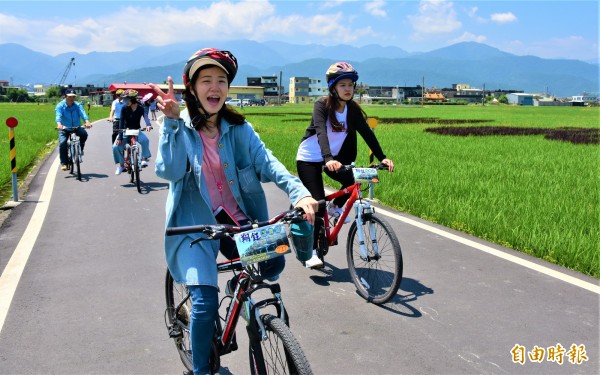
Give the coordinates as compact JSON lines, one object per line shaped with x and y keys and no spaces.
{"x":548,"y":29}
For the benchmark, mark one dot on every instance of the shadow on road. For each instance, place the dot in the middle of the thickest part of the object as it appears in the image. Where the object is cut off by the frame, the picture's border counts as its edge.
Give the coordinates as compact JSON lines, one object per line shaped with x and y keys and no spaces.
{"x":410,"y":290}
{"x":87,"y":176}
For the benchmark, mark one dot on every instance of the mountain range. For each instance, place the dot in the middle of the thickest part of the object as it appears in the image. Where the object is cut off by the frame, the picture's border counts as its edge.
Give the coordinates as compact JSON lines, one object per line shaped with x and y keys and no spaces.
{"x":471,"y":63}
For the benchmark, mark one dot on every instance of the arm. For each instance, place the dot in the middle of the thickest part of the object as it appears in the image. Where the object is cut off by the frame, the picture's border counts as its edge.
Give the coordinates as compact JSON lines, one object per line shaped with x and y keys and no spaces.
{"x":84,"y":116}
{"x":58,"y":112}
{"x":111,"y":116}
{"x":171,"y":159}
{"x":319,"y":122}
{"x":369,"y":136}
{"x":269,"y":169}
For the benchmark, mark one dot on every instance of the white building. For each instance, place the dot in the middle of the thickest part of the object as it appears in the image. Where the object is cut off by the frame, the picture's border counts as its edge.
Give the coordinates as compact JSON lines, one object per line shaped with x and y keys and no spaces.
{"x":306,"y":90}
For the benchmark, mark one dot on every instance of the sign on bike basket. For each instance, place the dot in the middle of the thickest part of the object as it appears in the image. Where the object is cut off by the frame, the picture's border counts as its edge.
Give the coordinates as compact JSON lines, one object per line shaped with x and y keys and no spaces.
{"x":262,"y":244}
{"x":134,"y":132}
{"x":364,"y":175}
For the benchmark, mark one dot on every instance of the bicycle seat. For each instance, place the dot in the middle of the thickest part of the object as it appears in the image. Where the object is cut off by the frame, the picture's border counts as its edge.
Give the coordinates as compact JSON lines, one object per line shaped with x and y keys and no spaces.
{"x":134,"y":132}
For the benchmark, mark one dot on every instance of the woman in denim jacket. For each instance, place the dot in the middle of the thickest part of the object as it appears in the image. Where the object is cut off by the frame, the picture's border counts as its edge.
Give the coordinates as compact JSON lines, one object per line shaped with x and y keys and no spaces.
{"x":213,"y":159}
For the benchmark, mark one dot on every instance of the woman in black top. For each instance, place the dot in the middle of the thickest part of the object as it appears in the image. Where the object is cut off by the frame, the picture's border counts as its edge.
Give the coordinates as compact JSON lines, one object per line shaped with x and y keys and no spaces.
{"x":331,"y":141}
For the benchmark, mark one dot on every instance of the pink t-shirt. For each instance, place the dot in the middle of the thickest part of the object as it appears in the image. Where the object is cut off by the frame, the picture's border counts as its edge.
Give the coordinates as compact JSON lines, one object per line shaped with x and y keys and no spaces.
{"x":214,"y":176}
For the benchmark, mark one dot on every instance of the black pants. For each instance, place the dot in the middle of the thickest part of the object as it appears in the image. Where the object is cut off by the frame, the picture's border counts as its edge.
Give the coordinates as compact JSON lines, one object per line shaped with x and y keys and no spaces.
{"x":310,"y":175}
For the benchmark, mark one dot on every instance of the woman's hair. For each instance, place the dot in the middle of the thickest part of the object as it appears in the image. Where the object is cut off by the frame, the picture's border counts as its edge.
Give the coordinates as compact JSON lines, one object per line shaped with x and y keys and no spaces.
{"x":198,"y":119}
{"x":332,"y":101}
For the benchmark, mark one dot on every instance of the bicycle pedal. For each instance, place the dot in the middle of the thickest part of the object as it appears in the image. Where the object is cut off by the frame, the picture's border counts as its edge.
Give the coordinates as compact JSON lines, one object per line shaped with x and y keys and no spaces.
{"x":175,"y":333}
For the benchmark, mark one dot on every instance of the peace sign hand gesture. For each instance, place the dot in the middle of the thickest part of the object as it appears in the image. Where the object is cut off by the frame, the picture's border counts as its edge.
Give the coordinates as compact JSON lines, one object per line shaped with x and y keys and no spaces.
{"x":167,"y":102}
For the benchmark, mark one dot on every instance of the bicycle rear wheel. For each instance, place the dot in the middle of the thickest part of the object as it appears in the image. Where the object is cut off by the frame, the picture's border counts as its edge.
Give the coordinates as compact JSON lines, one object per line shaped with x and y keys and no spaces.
{"x":136,"y":170}
{"x":179,"y":325}
{"x":280,"y":353}
{"x":376,"y":277}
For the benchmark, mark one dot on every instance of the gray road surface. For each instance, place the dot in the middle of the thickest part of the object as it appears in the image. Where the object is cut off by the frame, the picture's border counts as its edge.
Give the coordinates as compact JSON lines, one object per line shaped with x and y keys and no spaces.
{"x":91,"y":299}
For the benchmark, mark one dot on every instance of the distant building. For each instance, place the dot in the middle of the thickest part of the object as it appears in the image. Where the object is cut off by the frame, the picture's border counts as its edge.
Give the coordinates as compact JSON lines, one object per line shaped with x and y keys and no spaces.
{"x":520,"y":98}
{"x":306,"y":90}
{"x":268,"y":83}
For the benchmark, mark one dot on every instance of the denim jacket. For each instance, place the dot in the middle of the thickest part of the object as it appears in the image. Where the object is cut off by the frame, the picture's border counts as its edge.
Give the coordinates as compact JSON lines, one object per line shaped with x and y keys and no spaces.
{"x":246,"y":162}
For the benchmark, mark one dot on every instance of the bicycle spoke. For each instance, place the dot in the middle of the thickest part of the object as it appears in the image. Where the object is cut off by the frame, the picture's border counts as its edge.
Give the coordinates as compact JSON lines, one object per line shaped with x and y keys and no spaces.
{"x":376,"y":276}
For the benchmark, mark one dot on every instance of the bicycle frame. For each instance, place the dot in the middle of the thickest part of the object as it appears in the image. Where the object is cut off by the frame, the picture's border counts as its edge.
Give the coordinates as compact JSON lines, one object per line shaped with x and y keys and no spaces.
{"x":242,"y":300}
{"x":361,"y":207}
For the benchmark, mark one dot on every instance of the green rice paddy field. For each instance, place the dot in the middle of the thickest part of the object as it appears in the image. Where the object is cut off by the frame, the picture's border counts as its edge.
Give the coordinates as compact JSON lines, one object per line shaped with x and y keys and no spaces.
{"x":523,"y":177}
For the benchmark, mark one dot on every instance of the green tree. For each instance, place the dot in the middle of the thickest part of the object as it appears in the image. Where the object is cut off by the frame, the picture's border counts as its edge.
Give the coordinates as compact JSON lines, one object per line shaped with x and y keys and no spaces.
{"x":503,"y":99}
{"x":17,"y":95}
{"x":53,"y":91}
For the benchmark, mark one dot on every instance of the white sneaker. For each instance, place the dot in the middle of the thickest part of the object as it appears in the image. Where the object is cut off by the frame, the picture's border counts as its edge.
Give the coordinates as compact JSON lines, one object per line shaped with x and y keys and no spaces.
{"x":144,"y":163}
{"x":314,"y":262}
{"x":335,"y":211}
{"x":119,"y":170}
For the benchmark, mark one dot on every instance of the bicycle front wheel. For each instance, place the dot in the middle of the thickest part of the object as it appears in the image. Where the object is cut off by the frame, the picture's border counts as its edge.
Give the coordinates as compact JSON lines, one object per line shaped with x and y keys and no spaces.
{"x":280,"y":353}
{"x":377,"y":276}
{"x":135,"y":164}
{"x":179,"y":323}
{"x":77,"y":161}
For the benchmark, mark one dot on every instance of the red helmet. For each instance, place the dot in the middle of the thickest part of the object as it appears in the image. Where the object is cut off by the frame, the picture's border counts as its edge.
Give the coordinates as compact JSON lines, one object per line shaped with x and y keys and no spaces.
{"x":340,"y":70}
{"x":210,"y":56}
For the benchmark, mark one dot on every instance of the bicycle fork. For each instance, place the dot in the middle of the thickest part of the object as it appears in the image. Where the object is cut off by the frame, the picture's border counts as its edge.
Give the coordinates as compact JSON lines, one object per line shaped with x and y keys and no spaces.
{"x":366,"y":209}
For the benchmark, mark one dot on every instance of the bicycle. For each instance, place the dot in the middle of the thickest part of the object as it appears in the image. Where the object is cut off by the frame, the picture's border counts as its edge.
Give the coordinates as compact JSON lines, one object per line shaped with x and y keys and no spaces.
{"x":133,"y":157}
{"x":272,"y":346}
{"x":373,"y":251}
{"x":74,"y":153}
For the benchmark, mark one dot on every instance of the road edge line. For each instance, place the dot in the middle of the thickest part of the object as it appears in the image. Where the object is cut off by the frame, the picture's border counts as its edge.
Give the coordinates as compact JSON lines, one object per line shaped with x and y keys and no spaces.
{"x":13,"y":271}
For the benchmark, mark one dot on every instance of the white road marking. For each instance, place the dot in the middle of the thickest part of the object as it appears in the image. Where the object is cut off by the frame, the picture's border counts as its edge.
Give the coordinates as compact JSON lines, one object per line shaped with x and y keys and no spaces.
{"x":15,"y":266}
{"x":500,"y":254}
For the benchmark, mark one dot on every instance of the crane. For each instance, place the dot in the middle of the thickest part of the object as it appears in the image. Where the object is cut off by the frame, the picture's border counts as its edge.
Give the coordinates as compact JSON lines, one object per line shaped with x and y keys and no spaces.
{"x":68,"y":68}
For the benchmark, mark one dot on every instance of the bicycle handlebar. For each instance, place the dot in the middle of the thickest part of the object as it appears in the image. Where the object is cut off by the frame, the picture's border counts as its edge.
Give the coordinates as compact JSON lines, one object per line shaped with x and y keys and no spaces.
{"x":380,"y":166}
{"x":218,"y":231}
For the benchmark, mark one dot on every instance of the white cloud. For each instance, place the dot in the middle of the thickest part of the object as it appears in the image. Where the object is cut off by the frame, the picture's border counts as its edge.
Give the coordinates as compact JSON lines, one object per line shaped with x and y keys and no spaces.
{"x":434,"y":17}
{"x":375,"y":8}
{"x":468,"y":37}
{"x":503,"y":17}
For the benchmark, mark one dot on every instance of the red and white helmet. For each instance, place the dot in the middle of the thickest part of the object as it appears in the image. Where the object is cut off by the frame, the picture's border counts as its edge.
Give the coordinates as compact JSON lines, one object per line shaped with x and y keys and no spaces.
{"x":210,"y":56}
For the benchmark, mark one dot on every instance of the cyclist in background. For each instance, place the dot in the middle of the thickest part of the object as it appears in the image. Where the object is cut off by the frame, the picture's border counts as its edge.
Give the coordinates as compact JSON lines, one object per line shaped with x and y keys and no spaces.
{"x":68,"y":120}
{"x":213,"y":159}
{"x":115,"y":114}
{"x":131,"y":116}
{"x":331,"y":141}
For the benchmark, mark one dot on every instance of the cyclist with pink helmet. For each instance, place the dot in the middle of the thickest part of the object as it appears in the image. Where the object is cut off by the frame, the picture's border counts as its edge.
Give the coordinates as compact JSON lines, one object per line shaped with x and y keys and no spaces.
{"x":214,"y":161}
{"x":330,"y":142}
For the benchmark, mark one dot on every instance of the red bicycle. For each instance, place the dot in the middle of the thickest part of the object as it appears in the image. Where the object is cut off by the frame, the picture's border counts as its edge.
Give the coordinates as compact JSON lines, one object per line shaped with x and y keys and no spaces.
{"x":372,"y":249}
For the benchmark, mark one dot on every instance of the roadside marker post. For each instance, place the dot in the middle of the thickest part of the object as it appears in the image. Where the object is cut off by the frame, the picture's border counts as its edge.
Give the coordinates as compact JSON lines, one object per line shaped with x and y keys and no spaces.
{"x":12,"y":122}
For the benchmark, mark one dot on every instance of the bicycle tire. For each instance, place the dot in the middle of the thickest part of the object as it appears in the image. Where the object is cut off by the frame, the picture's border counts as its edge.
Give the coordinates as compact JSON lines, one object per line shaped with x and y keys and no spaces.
{"x":322,"y":242}
{"x":377,"y":279}
{"x":136,"y":170}
{"x":280,"y":352}
{"x":77,"y":160}
{"x":70,"y":163}
{"x":175,"y":293}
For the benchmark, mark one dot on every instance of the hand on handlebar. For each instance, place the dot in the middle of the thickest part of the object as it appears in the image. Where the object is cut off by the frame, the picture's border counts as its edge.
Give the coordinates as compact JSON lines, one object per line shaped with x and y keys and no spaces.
{"x":310,"y":206}
{"x":389,"y":163}
{"x":333,"y":165}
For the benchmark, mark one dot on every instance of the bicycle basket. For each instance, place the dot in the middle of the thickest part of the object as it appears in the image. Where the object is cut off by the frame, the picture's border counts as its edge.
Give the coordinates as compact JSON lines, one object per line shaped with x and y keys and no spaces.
{"x":365,"y":175}
{"x":302,"y":240}
{"x":260,"y":244}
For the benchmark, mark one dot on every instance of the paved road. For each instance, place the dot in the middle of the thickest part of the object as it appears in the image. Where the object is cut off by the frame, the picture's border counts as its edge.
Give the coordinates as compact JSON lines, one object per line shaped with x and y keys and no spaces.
{"x":90,"y":298}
